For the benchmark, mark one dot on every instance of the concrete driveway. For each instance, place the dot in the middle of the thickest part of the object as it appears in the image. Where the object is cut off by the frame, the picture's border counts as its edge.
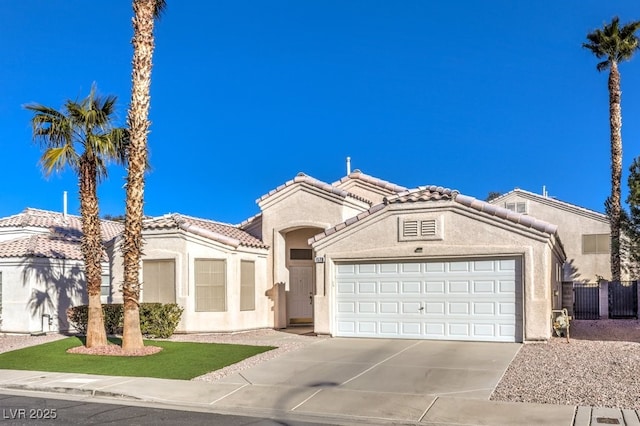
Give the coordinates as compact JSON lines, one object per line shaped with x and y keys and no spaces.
{"x":373,"y":378}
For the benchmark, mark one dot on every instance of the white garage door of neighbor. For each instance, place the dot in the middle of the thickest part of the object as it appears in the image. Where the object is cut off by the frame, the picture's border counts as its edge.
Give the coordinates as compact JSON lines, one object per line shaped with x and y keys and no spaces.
{"x":449,"y":300}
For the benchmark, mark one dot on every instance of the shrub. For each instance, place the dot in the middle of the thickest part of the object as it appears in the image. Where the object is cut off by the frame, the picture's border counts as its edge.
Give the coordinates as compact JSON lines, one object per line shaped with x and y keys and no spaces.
{"x":156,"y":319}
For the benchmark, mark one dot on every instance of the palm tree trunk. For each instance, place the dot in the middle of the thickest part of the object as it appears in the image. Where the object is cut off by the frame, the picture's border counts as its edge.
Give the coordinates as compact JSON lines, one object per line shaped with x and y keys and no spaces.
{"x":138,"y":120}
{"x":615,"y":123}
{"x":92,"y":252}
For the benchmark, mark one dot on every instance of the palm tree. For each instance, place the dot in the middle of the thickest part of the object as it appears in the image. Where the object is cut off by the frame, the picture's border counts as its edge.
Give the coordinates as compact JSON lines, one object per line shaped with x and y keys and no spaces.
{"x":614,"y":44}
{"x":144,"y":14}
{"x":82,"y":136}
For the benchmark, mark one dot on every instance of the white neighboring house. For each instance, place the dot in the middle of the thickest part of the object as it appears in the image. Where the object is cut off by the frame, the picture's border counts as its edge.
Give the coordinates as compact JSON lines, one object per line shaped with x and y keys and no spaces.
{"x":42,"y":271}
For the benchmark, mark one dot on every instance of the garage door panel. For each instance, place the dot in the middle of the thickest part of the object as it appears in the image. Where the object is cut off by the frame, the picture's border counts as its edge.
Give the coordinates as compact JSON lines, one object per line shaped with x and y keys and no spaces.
{"x":461,"y":300}
{"x":435,"y":287}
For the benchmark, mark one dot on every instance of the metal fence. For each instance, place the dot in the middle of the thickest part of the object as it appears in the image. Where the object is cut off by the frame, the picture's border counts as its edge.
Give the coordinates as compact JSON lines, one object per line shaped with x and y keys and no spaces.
{"x":586,"y":301}
{"x":623,"y":299}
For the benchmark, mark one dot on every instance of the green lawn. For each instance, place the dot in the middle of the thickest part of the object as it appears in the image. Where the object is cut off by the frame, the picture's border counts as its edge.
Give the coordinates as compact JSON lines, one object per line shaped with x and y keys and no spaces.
{"x":178,"y":360}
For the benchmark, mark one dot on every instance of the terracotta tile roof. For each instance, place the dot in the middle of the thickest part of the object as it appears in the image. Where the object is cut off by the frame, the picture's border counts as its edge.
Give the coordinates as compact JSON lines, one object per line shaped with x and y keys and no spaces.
{"x":555,"y":203}
{"x":302,"y":178}
{"x":42,"y":245}
{"x":422,"y":193}
{"x":57,"y":223}
{"x":437,"y":193}
{"x":222,"y":232}
{"x":58,"y":237}
{"x":357,"y":174}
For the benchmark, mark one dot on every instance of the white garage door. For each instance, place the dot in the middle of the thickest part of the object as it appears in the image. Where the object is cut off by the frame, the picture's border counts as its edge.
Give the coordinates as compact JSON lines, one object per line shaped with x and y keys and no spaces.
{"x":457,"y":300}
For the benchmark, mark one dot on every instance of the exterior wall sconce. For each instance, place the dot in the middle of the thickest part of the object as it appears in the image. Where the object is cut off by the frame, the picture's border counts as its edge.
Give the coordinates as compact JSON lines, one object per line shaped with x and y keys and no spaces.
{"x":418,"y":250}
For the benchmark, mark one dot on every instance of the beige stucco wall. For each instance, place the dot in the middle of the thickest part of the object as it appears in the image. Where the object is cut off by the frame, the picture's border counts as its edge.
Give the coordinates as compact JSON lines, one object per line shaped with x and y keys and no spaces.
{"x":184,"y":249}
{"x":297,"y":207}
{"x":572,"y":224}
{"x":467,"y":234}
{"x":37,"y":286}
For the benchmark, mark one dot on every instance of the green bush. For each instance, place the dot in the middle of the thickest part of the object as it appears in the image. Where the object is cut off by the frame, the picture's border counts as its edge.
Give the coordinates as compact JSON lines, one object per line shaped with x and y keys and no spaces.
{"x":156,"y":319}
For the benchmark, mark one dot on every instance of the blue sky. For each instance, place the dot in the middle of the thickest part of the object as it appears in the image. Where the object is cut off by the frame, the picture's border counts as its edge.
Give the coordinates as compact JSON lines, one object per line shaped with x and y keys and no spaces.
{"x":477,"y":96}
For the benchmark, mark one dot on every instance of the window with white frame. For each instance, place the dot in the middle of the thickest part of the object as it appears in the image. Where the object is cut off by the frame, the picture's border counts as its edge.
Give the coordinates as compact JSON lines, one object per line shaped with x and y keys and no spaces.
{"x":105,"y":286}
{"x":211,"y":285}
{"x":159,"y":281}
{"x":518,"y":207}
{"x":247,"y":285}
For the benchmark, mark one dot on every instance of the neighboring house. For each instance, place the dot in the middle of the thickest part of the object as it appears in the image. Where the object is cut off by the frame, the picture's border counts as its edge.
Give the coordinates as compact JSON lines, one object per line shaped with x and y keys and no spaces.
{"x":359,"y":257}
{"x":585,"y":233}
{"x":42,"y":271}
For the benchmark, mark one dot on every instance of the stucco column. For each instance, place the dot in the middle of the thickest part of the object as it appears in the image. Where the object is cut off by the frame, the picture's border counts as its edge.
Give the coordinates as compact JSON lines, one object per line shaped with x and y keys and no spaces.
{"x":604,"y":299}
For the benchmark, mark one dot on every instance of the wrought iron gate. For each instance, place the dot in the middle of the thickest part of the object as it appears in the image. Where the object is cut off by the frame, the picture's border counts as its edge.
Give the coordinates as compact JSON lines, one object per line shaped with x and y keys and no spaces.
{"x":623,"y":299}
{"x":586,"y":301}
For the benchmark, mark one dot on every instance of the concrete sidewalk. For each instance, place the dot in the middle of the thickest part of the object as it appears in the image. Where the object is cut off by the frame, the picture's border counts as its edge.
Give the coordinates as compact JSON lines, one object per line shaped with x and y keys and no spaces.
{"x":342,"y":381}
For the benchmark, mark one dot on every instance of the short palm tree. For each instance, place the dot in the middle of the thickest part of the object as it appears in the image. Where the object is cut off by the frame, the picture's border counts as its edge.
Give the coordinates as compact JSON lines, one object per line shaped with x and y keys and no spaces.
{"x":144,"y":14}
{"x":614,"y":44}
{"x":82,"y":136}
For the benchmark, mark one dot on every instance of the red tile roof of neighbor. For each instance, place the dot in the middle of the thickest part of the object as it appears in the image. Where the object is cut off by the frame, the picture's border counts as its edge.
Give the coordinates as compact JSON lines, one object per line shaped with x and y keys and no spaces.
{"x":57,"y":236}
{"x":221,"y":232}
{"x":437,"y":193}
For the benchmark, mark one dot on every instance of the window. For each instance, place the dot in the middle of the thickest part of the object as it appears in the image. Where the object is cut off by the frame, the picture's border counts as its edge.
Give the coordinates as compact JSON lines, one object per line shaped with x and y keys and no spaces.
{"x":247,"y":285}
{"x":520,"y":207}
{"x":211,"y":285}
{"x":300,"y":254}
{"x":105,"y":286}
{"x":596,"y":243}
{"x":159,"y":281}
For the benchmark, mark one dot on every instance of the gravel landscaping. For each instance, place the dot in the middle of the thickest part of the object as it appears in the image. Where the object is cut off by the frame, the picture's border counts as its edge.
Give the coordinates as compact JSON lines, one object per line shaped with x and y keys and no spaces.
{"x":600,"y":366}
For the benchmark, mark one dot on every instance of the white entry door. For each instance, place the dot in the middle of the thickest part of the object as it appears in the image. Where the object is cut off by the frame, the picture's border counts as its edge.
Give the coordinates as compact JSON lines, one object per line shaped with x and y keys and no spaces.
{"x":300,"y":295}
{"x":449,"y":300}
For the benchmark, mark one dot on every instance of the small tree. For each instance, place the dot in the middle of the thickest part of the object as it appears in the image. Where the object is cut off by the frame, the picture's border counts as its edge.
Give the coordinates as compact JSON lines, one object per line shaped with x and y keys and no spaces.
{"x":82,"y":136}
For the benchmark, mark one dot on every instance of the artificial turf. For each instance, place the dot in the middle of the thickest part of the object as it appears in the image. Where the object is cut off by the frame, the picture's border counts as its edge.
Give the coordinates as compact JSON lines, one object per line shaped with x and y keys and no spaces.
{"x":177,"y":360}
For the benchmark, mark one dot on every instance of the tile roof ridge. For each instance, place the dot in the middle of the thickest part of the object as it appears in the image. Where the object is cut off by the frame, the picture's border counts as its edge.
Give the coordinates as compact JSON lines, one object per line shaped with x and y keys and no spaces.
{"x":503,"y":213}
{"x":316,"y":183}
{"x":358,"y":174}
{"x":422,"y":193}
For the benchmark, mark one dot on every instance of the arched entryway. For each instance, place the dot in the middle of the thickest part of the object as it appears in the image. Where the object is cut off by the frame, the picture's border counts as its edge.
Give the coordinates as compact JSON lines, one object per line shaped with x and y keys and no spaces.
{"x":301,"y":267}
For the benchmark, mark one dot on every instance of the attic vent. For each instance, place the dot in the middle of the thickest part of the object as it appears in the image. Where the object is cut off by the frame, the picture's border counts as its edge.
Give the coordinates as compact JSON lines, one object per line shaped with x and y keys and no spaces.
{"x":428,"y":228}
{"x":410,"y":229}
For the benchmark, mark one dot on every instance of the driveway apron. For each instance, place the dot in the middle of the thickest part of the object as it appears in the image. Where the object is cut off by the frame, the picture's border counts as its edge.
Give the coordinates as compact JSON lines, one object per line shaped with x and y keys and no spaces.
{"x":374,"y":378}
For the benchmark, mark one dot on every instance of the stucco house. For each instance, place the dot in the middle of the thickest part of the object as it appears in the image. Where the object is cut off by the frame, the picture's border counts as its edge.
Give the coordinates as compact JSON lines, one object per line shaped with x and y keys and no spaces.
{"x":41,"y":269}
{"x":359,"y":257}
{"x":585,"y":233}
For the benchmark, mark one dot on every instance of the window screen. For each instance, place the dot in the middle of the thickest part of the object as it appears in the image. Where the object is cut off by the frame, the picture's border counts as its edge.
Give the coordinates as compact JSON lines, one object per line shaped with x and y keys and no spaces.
{"x":247,"y":285}
{"x":211,"y":285}
{"x":159,"y":281}
{"x":596,"y":243}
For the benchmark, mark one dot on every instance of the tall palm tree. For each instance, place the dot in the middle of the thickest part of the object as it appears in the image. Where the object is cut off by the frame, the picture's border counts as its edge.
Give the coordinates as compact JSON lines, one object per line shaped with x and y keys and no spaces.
{"x":82,"y":136}
{"x":144,"y":14}
{"x":614,"y":44}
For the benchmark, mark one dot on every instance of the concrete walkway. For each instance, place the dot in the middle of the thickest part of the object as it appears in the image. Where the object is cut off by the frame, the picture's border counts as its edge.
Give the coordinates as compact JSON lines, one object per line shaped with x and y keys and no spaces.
{"x":343,"y":381}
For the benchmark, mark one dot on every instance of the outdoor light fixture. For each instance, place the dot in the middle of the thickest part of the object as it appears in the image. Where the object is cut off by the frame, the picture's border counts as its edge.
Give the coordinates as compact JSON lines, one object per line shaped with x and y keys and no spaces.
{"x":418,"y":250}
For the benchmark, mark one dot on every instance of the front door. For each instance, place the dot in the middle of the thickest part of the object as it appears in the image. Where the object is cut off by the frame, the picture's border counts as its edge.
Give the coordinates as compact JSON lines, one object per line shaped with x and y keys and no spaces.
{"x":300,"y":296}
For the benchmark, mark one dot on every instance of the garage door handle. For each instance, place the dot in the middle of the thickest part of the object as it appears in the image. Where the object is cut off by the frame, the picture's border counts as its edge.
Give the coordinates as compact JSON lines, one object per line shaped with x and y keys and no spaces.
{"x":421,"y":308}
